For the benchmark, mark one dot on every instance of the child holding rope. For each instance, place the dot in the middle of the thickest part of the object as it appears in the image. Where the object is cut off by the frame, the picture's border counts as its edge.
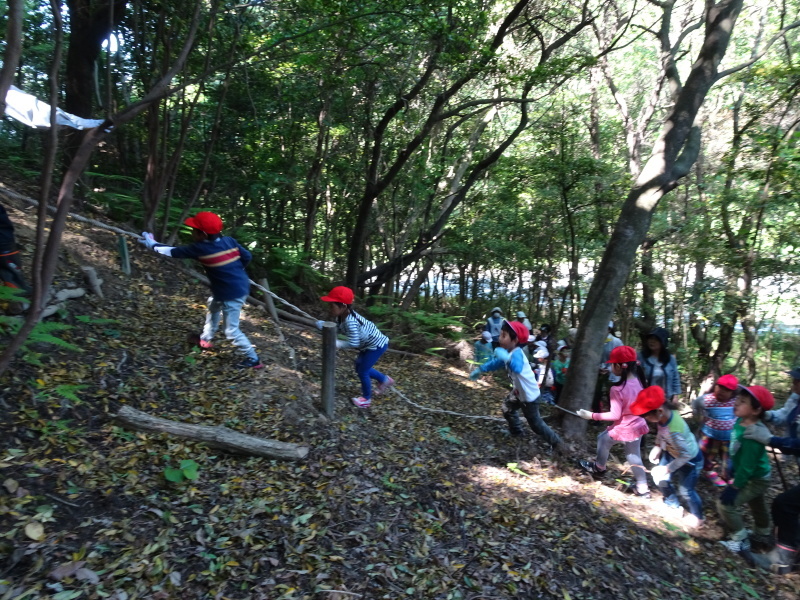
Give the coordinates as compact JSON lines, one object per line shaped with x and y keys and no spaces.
{"x":224,"y":261}
{"x":363,"y":335}
{"x":676,"y":451}
{"x":525,"y":394}
{"x":751,"y":472}
{"x":626,"y":428}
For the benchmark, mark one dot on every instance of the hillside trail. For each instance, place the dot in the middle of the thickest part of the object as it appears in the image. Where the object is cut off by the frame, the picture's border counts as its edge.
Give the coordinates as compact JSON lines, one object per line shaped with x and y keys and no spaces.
{"x":391,"y":502}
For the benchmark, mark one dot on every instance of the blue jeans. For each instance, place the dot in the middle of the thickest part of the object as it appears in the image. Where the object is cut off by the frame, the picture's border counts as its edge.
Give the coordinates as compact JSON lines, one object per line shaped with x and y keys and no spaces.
{"x":686,"y":480}
{"x":364,"y":363}
{"x":228,"y":312}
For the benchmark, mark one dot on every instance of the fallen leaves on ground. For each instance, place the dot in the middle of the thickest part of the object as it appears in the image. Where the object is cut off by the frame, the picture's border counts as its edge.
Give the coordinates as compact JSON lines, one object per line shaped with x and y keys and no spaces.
{"x":393,"y":502}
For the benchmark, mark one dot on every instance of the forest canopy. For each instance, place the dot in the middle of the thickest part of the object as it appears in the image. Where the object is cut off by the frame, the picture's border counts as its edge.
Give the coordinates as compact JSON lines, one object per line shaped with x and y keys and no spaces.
{"x":450,"y":156}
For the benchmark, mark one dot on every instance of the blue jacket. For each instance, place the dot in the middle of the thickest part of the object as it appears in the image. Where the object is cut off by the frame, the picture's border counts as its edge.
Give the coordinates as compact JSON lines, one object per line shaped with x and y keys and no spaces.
{"x":223,"y":260}
{"x":786,"y":445}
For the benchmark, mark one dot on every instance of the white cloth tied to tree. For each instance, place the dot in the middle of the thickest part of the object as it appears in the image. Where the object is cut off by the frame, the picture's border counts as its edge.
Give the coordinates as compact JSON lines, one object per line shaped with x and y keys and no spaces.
{"x":28,"y":109}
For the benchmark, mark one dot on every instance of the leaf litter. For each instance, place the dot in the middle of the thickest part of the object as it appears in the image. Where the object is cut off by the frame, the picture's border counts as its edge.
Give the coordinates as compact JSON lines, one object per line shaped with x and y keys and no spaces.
{"x":393,"y":502}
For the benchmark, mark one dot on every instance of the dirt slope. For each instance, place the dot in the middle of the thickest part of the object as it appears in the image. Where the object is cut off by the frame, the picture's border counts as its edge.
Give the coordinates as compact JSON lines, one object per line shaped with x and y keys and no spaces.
{"x":394,"y":502}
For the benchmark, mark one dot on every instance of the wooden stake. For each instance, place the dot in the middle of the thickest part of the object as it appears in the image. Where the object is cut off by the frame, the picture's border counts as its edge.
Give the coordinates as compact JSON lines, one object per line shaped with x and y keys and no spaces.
{"x":328,"y":368}
{"x":125,"y":260}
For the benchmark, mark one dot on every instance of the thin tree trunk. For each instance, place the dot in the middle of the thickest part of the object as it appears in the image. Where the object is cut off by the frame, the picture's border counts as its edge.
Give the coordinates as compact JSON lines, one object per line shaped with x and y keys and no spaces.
{"x":672,"y":158}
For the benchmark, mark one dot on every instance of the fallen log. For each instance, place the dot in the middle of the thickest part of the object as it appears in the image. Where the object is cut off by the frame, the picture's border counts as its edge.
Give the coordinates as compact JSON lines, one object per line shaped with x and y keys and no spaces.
{"x":215,"y":436}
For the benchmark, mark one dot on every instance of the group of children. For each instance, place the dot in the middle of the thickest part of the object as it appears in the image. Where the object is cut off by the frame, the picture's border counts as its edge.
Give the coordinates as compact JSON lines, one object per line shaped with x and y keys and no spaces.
{"x":737,"y":464}
{"x":744,"y":469}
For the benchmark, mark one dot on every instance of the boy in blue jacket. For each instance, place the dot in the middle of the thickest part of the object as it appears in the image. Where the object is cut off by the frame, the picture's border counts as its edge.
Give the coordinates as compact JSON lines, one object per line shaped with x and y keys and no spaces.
{"x":224,"y":261}
{"x":525,"y":395}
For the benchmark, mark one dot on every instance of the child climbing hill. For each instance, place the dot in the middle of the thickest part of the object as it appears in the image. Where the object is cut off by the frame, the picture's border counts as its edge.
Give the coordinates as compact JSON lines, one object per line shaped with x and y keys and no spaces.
{"x":363,"y":335}
{"x":525,"y":393}
{"x":224,"y":261}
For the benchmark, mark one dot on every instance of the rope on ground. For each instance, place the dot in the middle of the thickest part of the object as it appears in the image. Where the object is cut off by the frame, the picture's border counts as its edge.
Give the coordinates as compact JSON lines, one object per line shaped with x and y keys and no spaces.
{"x":440,"y":410}
{"x":136,"y":236}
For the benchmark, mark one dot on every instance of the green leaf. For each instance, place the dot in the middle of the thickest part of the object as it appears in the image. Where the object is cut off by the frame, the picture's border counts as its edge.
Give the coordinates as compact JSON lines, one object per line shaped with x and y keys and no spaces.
{"x":750,"y":590}
{"x":67,"y":595}
{"x":174,"y":475}
{"x":302,"y":519}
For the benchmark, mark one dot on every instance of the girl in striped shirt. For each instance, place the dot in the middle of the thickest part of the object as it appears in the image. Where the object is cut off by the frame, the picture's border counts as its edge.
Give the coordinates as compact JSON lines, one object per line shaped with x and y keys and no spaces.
{"x":361,"y":334}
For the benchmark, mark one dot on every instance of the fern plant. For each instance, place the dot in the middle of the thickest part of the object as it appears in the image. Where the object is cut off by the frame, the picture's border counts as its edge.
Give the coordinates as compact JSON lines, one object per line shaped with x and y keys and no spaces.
{"x":42,"y":333}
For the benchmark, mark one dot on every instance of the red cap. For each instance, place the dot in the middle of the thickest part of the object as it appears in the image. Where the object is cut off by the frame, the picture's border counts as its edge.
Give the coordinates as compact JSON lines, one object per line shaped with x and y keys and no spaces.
{"x":650,"y":398}
{"x":762,"y":394}
{"x":207,"y":222}
{"x":622,"y":354}
{"x":728,"y":381}
{"x":339,"y":294}
{"x":522,"y":332}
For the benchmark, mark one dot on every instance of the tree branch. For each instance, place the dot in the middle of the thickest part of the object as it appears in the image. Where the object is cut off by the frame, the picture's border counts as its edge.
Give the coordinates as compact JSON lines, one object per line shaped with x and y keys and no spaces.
{"x":756,"y":57}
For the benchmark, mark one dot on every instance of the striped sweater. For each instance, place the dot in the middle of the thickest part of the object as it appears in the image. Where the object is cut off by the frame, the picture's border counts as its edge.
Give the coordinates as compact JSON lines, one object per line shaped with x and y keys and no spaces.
{"x":361,"y":333}
{"x":223,"y":260}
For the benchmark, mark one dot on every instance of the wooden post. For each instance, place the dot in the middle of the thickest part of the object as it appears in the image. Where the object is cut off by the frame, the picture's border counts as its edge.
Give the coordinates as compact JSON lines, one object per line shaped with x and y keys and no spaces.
{"x":328,"y":367}
{"x":122,"y":244}
{"x":271,"y":308}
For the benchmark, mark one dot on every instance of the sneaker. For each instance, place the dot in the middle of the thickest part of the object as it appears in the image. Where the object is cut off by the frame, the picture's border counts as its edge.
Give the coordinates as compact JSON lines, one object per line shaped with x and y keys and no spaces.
{"x":778,"y":560}
{"x":362,"y":402}
{"x":591,"y":467}
{"x":205,"y":344}
{"x":250,"y":363}
{"x":382,"y":387}
{"x":714,"y":478}
{"x":737,"y":545}
{"x":630,"y":487}
{"x":693,"y":522}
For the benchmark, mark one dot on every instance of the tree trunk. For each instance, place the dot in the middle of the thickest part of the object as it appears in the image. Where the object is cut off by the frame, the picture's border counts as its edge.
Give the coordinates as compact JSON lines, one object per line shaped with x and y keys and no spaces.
{"x":672,"y":158}
{"x":13,"y":51}
{"x":90,"y":23}
{"x":46,"y":258}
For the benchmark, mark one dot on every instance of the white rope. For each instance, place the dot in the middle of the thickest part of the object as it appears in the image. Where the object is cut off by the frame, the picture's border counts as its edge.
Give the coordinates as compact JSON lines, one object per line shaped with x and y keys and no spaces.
{"x":136,"y":236}
{"x":446,"y":412}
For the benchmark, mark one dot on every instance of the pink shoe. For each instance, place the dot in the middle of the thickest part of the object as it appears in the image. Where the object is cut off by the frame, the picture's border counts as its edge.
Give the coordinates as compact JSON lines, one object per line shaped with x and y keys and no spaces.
{"x":362,"y":402}
{"x":205,"y":344}
{"x":382,"y":387}
{"x":714,"y":478}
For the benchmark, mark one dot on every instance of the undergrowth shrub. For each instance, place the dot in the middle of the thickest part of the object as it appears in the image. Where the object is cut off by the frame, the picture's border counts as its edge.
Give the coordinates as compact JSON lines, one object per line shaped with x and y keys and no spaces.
{"x":415,"y":330}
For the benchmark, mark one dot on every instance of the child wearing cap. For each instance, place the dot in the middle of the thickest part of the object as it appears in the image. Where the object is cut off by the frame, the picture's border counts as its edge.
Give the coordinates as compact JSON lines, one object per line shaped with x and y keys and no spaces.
{"x":224,"y":261}
{"x":676,"y":452}
{"x":494,"y":323}
{"x":751,"y":470}
{"x":560,"y":367}
{"x":716,"y":409}
{"x":362,"y":335}
{"x":483,"y":348}
{"x":525,"y":393}
{"x":626,"y":427}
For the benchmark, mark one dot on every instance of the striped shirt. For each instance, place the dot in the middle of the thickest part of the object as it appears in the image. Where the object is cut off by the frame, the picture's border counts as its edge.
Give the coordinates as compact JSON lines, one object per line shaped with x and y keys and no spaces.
{"x":719,"y":424}
{"x":361,"y":333}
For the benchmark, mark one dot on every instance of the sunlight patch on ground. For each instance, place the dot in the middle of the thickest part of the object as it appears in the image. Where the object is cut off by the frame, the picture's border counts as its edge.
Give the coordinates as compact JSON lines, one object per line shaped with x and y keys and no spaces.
{"x":650,"y":514}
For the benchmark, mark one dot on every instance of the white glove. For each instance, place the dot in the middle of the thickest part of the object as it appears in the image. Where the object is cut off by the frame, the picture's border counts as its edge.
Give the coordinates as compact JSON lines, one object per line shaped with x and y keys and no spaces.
{"x":148,"y":240}
{"x":655,"y":455}
{"x":319,"y":324}
{"x":659,"y":474}
{"x":342,"y":344}
{"x":502,"y":354}
{"x":585,"y":414}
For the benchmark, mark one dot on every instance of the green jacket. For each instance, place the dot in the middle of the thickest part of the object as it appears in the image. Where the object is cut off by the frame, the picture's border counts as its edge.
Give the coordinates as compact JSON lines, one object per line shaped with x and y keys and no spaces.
{"x":750,"y":460}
